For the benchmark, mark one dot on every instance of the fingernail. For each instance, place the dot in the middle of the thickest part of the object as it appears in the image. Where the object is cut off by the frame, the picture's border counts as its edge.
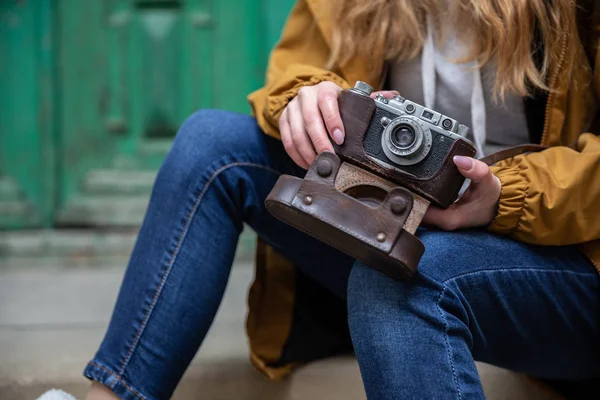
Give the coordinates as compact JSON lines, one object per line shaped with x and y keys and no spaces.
{"x":338,"y":136}
{"x":463,"y":162}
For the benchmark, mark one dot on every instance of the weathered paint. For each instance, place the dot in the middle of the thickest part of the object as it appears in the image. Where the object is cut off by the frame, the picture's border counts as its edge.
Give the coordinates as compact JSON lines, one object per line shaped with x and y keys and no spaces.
{"x":27,"y":114}
{"x":105,"y":95}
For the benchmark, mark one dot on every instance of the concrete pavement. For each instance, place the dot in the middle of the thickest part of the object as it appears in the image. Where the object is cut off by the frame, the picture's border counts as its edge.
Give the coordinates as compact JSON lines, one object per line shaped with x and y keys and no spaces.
{"x":52,"y":319}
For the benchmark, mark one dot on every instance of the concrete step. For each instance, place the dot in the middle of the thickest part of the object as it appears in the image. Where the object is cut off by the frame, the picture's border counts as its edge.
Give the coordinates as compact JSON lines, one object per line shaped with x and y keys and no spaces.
{"x":52,"y":320}
{"x":76,"y":248}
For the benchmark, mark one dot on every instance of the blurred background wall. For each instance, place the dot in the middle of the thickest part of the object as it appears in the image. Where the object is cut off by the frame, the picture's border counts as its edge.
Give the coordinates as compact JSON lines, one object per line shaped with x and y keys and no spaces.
{"x":93,"y":91}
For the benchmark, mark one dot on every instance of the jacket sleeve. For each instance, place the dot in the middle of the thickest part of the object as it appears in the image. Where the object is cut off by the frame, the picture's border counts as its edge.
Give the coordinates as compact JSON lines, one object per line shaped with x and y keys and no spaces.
{"x":551,"y":197}
{"x":297,"y":60}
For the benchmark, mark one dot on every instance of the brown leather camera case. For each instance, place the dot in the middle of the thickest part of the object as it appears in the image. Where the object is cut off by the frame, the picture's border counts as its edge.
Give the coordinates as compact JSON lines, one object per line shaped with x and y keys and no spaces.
{"x":361,"y":208}
{"x":372,"y":234}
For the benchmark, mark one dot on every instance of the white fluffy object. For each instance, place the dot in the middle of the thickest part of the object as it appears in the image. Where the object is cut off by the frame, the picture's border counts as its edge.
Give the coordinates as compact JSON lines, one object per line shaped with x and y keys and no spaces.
{"x":55,"y":394}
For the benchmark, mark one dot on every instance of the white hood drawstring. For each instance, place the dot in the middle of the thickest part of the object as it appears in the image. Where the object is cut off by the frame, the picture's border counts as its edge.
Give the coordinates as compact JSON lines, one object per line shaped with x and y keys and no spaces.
{"x":478,"y":121}
{"x":428,"y":75}
{"x":428,"y":66}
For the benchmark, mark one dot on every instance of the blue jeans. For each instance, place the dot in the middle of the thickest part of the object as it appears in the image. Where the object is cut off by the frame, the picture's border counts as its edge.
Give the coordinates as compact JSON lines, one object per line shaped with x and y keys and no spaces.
{"x":476,"y":296}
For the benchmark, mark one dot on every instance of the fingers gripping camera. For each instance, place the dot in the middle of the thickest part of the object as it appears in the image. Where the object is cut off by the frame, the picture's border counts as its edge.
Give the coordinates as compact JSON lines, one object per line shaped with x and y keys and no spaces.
{"x":369,"y":197}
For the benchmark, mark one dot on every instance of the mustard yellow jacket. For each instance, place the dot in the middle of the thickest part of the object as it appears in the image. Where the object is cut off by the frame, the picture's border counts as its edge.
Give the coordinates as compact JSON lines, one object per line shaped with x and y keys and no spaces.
{"x":548,"y":198}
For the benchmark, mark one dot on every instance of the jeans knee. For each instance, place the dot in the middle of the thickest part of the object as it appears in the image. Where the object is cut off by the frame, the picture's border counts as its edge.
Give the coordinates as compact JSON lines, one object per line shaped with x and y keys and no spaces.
{"x":370,"y":293}
{"x":205,"y":138}
{"x":451,"y":254}
{"x":379,"y":305}
{"x":446,"y":256}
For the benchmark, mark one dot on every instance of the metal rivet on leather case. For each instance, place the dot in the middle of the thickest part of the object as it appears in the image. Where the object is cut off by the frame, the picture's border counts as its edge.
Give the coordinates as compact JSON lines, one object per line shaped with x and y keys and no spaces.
{"x":324,"y":168}
{"x":381,"y":237}
{"x":308,"y":200}
{"x":398,"y":205}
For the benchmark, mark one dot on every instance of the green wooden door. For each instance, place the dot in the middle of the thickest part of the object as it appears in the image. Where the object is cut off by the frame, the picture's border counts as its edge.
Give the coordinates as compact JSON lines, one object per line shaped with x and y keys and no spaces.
{"x":129,"y":72}
{"x":92,"y":93}
{"x":27,"y":141}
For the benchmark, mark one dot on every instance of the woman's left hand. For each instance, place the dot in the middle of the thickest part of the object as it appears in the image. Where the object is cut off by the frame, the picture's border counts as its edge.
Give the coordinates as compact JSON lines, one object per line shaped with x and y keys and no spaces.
{"x":478,"y":205}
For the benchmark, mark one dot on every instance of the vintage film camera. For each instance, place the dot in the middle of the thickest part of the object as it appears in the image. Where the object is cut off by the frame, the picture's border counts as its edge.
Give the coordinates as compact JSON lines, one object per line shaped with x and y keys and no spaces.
{"x":369,"y":198}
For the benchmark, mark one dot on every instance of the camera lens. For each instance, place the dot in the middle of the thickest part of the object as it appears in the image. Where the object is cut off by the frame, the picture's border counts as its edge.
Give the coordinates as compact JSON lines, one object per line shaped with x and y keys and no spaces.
{"x":403,"y":136}
{"x":406,"y":140}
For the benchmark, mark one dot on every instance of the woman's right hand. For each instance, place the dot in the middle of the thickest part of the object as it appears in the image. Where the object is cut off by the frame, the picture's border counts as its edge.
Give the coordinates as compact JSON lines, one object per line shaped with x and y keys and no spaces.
{"x":311,"y":118}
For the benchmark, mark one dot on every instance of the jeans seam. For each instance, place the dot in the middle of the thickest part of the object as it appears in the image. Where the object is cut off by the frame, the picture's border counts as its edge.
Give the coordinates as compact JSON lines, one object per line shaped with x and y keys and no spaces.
{"x":182,"y":236}
{"x":466,"y":274}
{"x":119,"y":378}
{"x":447,"y":342}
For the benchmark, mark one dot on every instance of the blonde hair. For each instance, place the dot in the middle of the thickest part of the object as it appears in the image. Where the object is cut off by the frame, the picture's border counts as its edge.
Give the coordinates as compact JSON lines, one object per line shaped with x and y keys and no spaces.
{"x":502,"y":31}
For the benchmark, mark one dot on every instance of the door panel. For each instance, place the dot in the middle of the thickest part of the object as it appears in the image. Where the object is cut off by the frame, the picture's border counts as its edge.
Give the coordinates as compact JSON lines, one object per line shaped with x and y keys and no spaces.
{"x":130,"y":72}
{"x":26,"y":114}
